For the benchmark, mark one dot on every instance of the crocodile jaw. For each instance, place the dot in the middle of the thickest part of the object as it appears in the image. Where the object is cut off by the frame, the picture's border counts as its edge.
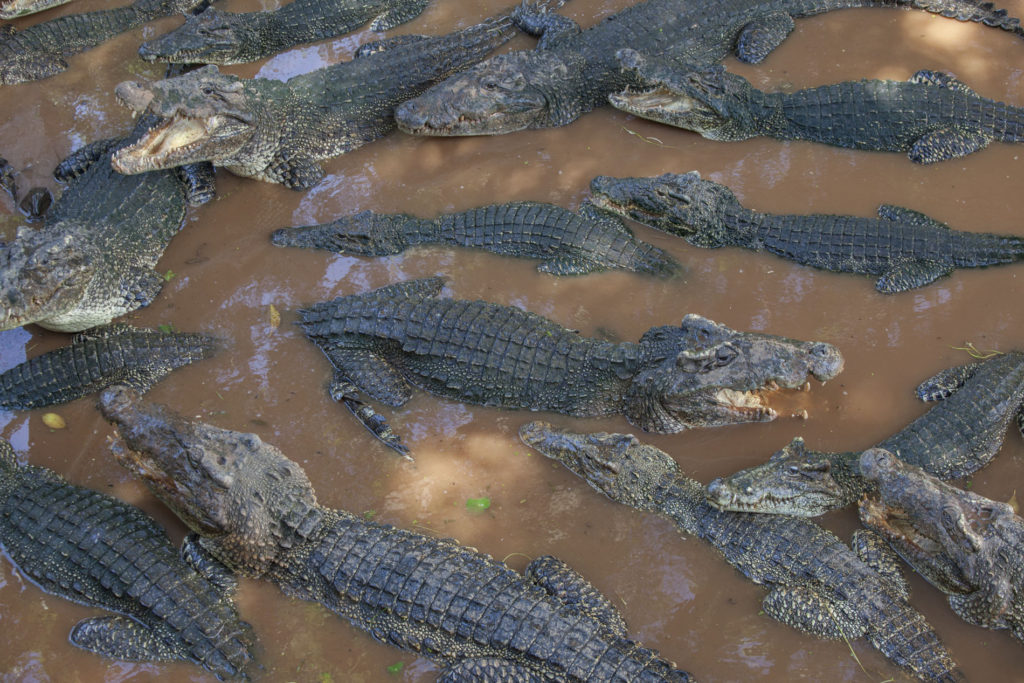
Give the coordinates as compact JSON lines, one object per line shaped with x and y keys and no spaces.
{"x":173,"y":143}
{"x":658,"y":103}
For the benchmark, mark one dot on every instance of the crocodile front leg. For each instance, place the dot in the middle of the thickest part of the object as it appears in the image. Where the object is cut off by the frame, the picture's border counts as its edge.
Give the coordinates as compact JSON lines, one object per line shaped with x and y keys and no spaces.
{"x":565,"y":583}
{"x":876,"y":553}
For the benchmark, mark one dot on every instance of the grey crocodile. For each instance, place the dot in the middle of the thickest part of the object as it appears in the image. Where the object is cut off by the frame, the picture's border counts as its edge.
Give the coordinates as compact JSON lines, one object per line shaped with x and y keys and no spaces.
{"x":255,"y":511}
{"x":567,"y":243}
{"x":964,"y":544}
{"x":115,"y":354}
{"x":95,"y":550}
{"x":904,"y":248}
{"x":571,"y":72}
{"x":957,"y":437}
{"x":815,"y":582}
{"x":932,"y":117}
{"x":12,"y":9}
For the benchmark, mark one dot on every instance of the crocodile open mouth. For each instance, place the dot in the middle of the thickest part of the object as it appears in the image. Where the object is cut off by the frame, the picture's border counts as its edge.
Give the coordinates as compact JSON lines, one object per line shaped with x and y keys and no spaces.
{"x":163,"y":146}
{"x":632,"y":211}
{"x":751,"y":404}
{"x":895,"y":525}
{"x":657,"y":100}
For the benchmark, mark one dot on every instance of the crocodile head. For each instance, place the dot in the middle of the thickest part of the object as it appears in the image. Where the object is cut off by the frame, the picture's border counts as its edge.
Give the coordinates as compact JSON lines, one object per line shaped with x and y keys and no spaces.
{"x":11,"y":9}
{"x":244,"y":497}
{"x":704,"y":374}
{"x":210,"y":37}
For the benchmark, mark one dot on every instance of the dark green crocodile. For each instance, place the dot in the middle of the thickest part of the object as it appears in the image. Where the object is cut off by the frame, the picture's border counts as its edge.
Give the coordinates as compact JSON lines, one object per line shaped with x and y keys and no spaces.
{"x":905,"y":248}
{"x":95,"y":550}
{"x":115,"y":354}
{"x":573,"y":71}
{"x":256,"y":513}
{"x":12,"y":9}
{"x":964,"y":544}
{"x":567,"y":243}
{"x":279,"y":132}
{"x":932,"y":117}
{"x":216,"y":37}
{"x":699,"y":374}
{"x":815,"y":582}
{"x":958,"y":436}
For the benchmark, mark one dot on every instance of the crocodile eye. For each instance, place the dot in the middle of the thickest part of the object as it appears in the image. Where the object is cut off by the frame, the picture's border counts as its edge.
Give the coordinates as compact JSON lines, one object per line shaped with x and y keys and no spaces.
{"x":725,"y":355}
{"x":794,"y":469}
{"x":207,"y":90}
{"x":490,"y":84}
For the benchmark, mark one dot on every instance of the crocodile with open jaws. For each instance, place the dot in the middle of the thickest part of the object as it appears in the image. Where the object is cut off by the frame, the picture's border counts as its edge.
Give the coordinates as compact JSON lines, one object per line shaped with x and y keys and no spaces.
{"x":567,"y":243}
{"x":932,"y":117}
{"x":279,"y":132}
{"x":12,"y":9}
{"x":958,"y":436}
{"x":95,"y":550}
{"x":815,"y":582}
{"x":964,"y":544}
{"x":256,"y":512}
{"x":905,"y":248}
{"x":571,"y":72}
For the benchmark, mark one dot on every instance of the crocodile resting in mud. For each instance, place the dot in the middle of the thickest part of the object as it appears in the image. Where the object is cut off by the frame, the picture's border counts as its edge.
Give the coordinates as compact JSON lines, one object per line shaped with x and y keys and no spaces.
{"x":815,"y":582}
{"x":932,"y":117}
{"x":571,"y":72}
{"x":95,"y":550}
{"x":255,"y":511}
{"x":905,"y":248}
{"x":12,"y":9}
{"x":567,"y":243}
{"x":957,"y":437}
{"x":699,"y":374}
{"x":964,"y":544}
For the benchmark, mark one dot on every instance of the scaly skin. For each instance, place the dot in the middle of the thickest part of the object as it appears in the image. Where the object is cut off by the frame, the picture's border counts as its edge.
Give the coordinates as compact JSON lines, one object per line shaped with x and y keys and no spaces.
{"x":12,"y":9}
{"x":93,"y":549}
{"x":256,"y":513}
{"x":905,"y":247}
{"x":964,"y":544}
{"x":932,"y":117}
{"x":815,"y":582}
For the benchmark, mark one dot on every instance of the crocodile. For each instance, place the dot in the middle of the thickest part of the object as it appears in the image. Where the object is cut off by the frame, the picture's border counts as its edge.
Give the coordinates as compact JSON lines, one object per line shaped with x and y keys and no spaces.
{"x":12,"y":9}
{"x":567,"y":243}
{"x":699,"y":374}
{"x":955,"y":438}
{"x":932,"y":116}
{"x":256,"y":513}
{"x":964,"y":544}
{"x":905,"y":248}
{"x":95,"y":550}
{"x":815,"y":582}
{"x":115,"y":354}
{"x":279,"y":132}
{"x":217,"y":37}
{"x":571,"y":72}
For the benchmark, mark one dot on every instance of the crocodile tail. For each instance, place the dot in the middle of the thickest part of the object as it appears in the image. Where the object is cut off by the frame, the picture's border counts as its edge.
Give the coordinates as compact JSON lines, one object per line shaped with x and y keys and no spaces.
{"x":965,"y":10}
{"x":905,"y":638}
{"x":364,"y":234}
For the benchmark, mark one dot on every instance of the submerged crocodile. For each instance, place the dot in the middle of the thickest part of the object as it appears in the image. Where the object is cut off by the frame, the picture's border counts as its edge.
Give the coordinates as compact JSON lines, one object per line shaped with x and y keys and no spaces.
{"x":12,"y":9}
{"x":932,"y":117}
{"x":256,"y":513}
{"x":571,"y":72}
{"x":115,"y":354}
{"x":905,"y":248}
{"x":567,"y":243}
{"x":216,"y":37}
{"x":279,"y":132}
{"x":958,"y":436}
{"x":815,"y":582}
{"x":964,"y":544}
{"x":95,"y":550}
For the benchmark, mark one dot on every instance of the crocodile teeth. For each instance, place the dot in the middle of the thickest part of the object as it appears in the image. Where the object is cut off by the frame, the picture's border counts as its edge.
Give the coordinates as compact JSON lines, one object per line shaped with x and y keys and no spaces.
{"x":660,"y":98}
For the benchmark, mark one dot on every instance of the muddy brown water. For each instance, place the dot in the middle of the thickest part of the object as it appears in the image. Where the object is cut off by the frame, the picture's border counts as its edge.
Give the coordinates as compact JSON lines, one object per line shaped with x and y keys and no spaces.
{"x":676,"y":593}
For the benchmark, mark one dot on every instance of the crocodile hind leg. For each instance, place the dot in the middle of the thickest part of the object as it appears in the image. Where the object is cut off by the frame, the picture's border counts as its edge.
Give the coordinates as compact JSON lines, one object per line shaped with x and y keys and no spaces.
{"x":488,"y":670}
{"x":947,"y":143}
{"x":199,"y":182}
{"x":945,"y":383}
{"x":876,"y":553}
{"x":121,"y":638}
{"x":537,"y":21}
{"x":569,"y":586}
{"x":902,"y":276}
{"x":802,"y":607}
{"x":762,"y":35}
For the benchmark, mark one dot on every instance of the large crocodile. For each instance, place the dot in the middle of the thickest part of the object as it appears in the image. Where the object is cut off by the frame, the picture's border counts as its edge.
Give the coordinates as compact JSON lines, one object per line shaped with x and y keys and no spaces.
{"x":699,"y":374}
{"x":905,"y":248}
{"x":93,"y":549}
{"x":255,"y":511}
{"x":815,"y":582}
{"x":573,"y":71}
{"x":567,"y":243}
{"x":115,"y":354}
{"x":932,"y":117}
{"x":279,"y":132}
{"x":12,"y":9}
{"x":958,"y":436}
{"x":966,"y":545}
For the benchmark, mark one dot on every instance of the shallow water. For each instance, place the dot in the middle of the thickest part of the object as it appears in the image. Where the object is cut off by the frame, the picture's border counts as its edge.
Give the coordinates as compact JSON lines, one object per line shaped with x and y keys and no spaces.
{"x":676,"y":593}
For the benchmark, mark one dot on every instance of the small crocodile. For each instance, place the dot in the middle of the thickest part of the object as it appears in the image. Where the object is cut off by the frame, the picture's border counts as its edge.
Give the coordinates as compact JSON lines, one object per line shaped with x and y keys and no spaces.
{"x":115,"y":354}
{"x":256,"y":512}
{"x":95,"y":550}
{"x":571,"y":72}
{"x":567,"y":243}
{"x":12,"y":9}
{"x":905,"y":248}
{"x":815,"y":582}
{"x":932,"y":117}
{"x":964,"y":544}
{"x":958,"y":436}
